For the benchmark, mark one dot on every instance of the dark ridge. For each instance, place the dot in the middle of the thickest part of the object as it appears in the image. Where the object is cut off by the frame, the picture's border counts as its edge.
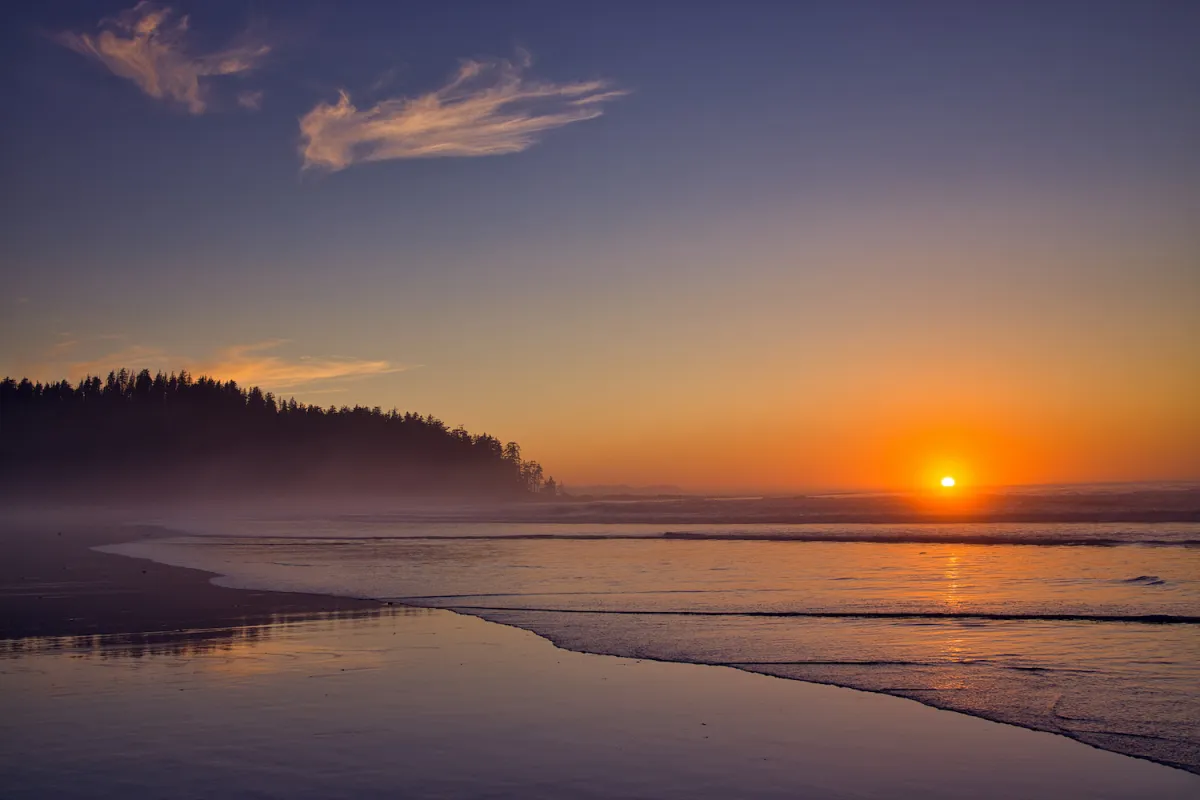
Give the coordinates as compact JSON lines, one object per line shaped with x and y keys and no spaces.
{"x":162,"y":436}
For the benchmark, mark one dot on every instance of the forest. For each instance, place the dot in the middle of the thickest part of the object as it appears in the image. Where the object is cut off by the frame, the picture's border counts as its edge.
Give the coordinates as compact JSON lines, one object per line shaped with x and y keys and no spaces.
{"x":170,"y":435}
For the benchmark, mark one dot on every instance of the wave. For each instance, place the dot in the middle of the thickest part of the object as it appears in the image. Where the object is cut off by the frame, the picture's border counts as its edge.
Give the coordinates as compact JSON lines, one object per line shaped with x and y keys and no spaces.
{"x":1143,"y":619}
{"x":1146,"y":580}
{"x":996,"y":686}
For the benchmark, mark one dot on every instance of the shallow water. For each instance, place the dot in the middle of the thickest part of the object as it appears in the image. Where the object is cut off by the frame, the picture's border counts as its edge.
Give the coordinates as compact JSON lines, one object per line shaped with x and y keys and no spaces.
{"x":425,"y":703}
{"x":1090,"y":631}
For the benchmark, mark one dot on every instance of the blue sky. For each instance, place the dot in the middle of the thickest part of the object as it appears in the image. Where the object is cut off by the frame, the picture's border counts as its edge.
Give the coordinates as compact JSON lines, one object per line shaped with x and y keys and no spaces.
{"x":758,"y":212}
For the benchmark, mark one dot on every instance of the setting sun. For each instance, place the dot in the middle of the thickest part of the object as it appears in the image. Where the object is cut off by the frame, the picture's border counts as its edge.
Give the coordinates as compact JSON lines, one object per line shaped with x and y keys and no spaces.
{"x":948,"y":482}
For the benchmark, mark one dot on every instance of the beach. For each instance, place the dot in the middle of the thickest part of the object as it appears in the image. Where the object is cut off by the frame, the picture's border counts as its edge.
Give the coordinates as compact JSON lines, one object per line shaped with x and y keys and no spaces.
{"x":55,"y":585}
{"x":1083,"y":630}
{"x":616,"y":400}
{"x":263,"y":694}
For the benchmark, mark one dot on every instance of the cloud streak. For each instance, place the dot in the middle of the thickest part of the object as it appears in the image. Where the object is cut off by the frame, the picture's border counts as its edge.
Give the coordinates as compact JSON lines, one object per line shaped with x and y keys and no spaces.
{"x":147,"y":45}
{"x":488,"y":108}
{"x":251,"y":100}
{"x":254,"y":364}
{"x":134,"y":357}
{"x":248,"y":364}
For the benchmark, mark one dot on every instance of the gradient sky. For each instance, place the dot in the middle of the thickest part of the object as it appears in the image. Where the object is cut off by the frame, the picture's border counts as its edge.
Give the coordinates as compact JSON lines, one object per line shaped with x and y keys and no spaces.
{"x":737,"y":246}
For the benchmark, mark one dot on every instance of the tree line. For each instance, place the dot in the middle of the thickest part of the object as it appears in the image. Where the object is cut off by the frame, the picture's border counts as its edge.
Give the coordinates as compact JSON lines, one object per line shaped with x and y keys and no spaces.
{"x":172,"y":433}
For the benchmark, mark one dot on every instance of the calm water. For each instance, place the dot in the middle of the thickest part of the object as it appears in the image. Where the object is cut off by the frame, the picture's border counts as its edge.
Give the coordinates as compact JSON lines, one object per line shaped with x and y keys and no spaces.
{"x":428,"y":704}
{"x":1091,"y":631}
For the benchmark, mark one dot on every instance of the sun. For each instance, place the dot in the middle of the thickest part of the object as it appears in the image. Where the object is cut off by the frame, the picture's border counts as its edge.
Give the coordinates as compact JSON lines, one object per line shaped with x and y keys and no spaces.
{"x":948,"y":482}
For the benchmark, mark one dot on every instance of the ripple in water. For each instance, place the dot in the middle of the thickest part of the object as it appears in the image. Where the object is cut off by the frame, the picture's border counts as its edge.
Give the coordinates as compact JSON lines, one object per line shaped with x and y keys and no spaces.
{"x":1099,"y":643}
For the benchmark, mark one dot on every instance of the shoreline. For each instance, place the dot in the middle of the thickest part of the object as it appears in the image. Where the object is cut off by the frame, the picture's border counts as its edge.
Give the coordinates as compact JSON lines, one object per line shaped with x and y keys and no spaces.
{"x":54,"y":584}
{"x":429,"y":703}
{"x":92,"y":603}
{"x":947,"y":708}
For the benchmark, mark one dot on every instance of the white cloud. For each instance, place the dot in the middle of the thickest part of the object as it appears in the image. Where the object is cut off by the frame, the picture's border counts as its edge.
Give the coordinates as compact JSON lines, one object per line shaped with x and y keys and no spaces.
{"x":135,"y":357}
{"x":253,"y":364}
{"x":251,"y":100}
{"x":147,"y":45}
{"x":488,"y":108}
{"x":248,"y":364}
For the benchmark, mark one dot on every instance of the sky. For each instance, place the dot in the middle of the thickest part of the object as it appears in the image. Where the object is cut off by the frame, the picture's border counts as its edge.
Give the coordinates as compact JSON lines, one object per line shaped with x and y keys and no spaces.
{"x":753,"y":246}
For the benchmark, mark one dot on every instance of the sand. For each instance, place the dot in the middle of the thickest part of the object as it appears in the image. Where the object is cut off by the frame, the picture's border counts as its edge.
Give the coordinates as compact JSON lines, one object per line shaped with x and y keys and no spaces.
{"x":53,"y":584}
{"x":260,"y":694}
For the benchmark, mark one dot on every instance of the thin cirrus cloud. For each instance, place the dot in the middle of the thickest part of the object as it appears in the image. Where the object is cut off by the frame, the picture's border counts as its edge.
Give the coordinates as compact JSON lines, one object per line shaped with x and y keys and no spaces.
{"x":488,"y":108}
{"x":251,"y":100}
{"x":248,"y":364}
{"x":255,"y":364}
{"x":148,"y":45}
{"x":134,"y":356}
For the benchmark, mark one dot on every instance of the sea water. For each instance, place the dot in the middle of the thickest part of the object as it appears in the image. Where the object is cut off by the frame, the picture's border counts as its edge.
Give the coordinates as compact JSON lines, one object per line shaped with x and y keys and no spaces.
{"x":425,"y":703}
{"x":1091,"y":631}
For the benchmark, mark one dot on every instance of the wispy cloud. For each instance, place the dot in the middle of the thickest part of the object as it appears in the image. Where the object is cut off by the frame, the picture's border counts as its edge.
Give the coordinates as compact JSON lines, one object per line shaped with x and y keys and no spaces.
{"x":65,"y":344}
{"x":248,"y":364}
{"x":251,"y":100}
{"x":255,"y":364}
{"x":147,"y":44}
{"x":134,"y":357}
{"x":488,"y":108}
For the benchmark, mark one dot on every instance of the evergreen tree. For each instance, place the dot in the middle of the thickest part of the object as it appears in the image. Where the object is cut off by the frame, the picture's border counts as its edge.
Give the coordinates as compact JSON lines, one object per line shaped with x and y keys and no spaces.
{"x":161,"y":433}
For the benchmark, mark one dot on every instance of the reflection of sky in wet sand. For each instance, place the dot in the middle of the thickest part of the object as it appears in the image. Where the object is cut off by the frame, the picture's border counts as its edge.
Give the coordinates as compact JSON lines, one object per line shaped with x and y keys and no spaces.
{"x":428,"y":703}
{"x":196,"y":641}
{"x":1055,"y":667}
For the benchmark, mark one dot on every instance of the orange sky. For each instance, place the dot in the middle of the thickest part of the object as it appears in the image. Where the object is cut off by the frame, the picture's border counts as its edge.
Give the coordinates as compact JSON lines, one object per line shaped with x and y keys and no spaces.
{"x":819,"y":260}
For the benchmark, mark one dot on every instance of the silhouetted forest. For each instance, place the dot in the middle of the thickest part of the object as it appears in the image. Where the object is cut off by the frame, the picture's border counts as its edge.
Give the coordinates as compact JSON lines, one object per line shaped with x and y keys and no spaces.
{"x":169,"y":435}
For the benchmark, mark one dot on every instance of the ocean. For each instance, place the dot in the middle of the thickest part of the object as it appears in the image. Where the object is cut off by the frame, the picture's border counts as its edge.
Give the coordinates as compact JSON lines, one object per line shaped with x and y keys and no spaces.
{"x":1088,"y":630}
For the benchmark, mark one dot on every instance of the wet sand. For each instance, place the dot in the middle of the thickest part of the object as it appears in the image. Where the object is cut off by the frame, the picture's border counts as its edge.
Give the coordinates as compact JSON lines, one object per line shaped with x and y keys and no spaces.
{"x":430,"y":704}
{"x":52,"y":584}
{"x":265,"y":694}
